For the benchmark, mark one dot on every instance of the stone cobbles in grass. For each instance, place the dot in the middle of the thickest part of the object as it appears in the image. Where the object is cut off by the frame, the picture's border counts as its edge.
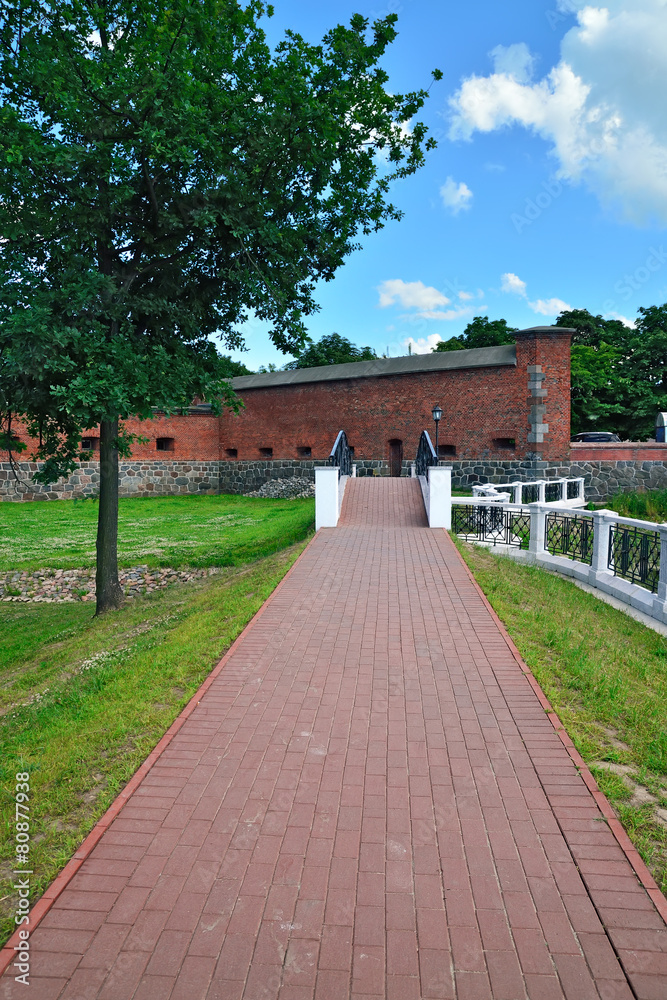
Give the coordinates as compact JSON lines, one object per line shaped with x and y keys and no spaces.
{"x":50,"y":586}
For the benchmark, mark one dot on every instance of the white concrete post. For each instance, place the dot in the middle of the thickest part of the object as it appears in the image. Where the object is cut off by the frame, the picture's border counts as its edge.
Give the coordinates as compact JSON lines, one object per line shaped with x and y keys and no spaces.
{"x":440,"y":497}
{"x":354,"y":472}
{"x":326,"y":497}
{"x":413,"y":471}
{"x":541,"y":492}
{"x":581,"y":493}
{"x":563,"y":489}
{"x":538,"y":517}
{"x":602,"y":522}
{"x":660,"y":602}
{"x":518,"y":493}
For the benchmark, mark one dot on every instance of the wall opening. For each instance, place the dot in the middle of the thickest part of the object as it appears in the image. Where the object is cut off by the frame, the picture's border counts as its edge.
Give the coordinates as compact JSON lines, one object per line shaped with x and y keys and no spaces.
{"x":395,"y":456}
{"x":266,"y":452}
{"x":304,"y":451}
{"x":508,"y":444}
{"x":446,"y":450}
{"x":90,"y":444}
{"x":232,"y":452}
{"x":164,"y":444}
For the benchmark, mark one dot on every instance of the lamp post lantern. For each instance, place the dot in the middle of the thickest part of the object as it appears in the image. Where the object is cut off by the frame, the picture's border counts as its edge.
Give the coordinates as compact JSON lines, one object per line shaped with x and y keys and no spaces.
{"x":436,"y":413}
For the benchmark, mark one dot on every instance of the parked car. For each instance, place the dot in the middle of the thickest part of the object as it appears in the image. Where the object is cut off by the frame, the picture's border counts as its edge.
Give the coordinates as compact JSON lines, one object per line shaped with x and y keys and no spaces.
{"x":598,"y":436}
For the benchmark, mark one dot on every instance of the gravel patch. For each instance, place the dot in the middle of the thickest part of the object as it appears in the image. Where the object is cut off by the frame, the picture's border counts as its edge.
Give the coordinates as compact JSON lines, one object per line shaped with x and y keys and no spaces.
{"x":55,"y":585}
{"x":285,"y":489}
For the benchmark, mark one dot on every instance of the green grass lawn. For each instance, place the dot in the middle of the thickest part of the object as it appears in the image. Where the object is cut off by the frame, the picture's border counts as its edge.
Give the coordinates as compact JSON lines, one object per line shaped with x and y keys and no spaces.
{"x":645,"y":505}
{"x":606,"y":676}
{"x":84,"y":700}
{"x":194,"y":531}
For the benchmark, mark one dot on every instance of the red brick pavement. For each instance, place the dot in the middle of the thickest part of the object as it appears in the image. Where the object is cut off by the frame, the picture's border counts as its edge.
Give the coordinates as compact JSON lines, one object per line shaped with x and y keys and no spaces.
{"x":369,"y":801}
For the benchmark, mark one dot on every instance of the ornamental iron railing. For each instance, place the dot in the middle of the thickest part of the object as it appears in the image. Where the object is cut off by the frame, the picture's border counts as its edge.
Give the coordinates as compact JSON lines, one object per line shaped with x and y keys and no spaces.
{"x":341,"y":455}
{"x":426,"y":456}
{"x":530,"y":493}
{"x":571,"y":536}
{"x":572,"y":489}
{"x":634,"y":555}
{"x":552,"y":492}
{"x":492,"y":523}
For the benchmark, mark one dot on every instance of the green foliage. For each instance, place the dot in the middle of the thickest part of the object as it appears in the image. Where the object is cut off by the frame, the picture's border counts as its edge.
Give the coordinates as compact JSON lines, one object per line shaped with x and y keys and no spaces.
{"x":330,"y":350}
{"x":650,"y":505}
{"x":162,"y":531}
{"x":162,"y":175}
{"x":480,"y":332}
{"x":619,"y":375}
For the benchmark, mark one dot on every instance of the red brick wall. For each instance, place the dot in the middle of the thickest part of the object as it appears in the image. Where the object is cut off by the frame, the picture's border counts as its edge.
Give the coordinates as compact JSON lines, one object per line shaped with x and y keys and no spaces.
{"x":479,"y":405}
{"x":626,"y":451}
{"x":196,"y":437}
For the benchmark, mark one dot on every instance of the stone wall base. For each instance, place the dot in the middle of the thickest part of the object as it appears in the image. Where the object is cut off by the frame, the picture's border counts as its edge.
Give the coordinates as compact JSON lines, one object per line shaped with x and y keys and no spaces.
{"x":165,"y":478}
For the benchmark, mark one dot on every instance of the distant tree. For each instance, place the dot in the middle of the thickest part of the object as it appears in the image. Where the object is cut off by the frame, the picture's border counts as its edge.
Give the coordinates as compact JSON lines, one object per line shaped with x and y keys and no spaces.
{"x":332,"y":349}
{"x":480,"y":332}
{"x":162,"y":174}
{"x":231,"y":368}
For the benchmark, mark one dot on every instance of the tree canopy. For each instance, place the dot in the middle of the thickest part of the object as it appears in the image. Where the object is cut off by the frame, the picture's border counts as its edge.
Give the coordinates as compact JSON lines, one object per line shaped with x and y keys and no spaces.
{"x":332,"y":349}
{"x":164,"y":175}
{"x":480,"y":332}
{"x":619,"y":374}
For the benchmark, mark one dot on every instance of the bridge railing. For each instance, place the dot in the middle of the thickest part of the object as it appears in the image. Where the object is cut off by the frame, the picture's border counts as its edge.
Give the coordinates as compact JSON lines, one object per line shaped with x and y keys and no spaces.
{"x":426,"y":456}
{"x":341,"y":456}
{"x":564,"y":491}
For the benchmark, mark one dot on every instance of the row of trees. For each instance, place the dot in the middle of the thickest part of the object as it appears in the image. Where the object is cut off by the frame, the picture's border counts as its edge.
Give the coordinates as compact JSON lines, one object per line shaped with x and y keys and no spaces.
{"x":619,"y":374}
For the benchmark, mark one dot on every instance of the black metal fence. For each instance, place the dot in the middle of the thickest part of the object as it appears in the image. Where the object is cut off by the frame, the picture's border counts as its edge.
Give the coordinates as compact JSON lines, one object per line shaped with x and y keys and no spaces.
{"x":552,"y":492}
{"x":569,"y":535}
{"x":634,"y":554}
{"x":341,"y":455}
{"x":426,"y":455}
{"x":572,"y":489}
{"x":492,"y":523}
{"x":530,"y":493}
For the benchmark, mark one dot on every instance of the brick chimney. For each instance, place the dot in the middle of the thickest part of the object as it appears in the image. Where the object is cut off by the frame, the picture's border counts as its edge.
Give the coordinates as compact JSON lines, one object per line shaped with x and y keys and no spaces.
{"x":543,"y":365}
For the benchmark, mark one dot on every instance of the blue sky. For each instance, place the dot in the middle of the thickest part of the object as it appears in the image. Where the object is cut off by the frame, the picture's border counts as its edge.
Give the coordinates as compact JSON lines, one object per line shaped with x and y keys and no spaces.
{"x":548,"y":188}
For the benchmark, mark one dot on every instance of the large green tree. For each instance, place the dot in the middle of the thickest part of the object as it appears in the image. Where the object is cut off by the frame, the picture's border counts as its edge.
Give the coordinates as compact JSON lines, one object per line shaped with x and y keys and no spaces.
{"x":163,"y":174}
{"x":332,"y":349}
{"x":619,"y":374}
{"x":480,"y":332}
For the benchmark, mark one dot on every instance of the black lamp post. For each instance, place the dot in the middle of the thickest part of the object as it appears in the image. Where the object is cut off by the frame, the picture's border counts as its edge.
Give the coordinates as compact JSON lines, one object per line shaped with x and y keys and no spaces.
{"x":436,"y":413}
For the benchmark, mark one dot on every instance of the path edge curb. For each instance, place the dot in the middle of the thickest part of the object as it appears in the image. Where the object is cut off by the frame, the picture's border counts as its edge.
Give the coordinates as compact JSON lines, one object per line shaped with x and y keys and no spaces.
{"x":632,"y":854}
{"x":83,"y":852}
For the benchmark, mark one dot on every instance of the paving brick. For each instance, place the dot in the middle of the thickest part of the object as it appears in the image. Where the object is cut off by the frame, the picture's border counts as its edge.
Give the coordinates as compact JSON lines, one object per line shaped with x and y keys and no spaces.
{"x":365,"y":803}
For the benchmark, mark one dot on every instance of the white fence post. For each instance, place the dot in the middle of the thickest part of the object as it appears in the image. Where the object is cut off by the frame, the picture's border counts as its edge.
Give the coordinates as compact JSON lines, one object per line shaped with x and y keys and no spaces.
{"x":440,"y":497}
{"x":541,"y":491}
{"x":518,"y":493}
{"x":581,"y":495}
{"x":563,"y":489}
{"x":537,"y":529}
{"x":602,"y":522}
{"x":660,"y":602}
{"x":326,"y":497}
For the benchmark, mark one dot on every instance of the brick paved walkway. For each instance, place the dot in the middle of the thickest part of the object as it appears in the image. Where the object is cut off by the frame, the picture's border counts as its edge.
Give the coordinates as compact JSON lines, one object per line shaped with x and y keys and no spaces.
{"x":369,"y":801}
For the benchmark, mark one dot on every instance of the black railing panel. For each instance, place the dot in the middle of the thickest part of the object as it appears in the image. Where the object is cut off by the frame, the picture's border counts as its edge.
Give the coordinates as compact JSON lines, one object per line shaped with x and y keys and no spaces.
{"x":569,"y":535}
{"x":572,"y":489}
{"x":426,"y":456}
{"x":552,"y":492}
{"x":530,"y":493}
{"x":492,"y":523}
{"x":341,"y":455}
{"x":634,"y":555}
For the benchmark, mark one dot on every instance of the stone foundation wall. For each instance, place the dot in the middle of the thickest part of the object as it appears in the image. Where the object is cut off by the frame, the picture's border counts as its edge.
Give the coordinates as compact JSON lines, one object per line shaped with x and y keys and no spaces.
{"x":136,"y":479}
{"x":169,"y":478}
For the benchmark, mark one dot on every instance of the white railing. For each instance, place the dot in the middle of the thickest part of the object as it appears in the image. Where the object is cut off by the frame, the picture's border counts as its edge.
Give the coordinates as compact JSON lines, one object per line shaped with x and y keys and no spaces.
{"x":621,"y":556}
{"x":536,"y":491}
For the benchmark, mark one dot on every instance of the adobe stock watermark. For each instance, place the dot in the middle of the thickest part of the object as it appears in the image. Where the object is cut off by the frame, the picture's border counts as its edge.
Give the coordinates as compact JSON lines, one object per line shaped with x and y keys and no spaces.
{"x":22,"y":873}
{"x":535,"y":207}
{"x":565,"y":9}
{"x":635,"y":280}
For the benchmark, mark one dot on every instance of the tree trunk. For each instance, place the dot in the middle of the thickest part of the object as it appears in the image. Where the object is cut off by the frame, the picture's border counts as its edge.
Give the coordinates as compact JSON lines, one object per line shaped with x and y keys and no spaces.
{"x":109,"y":592}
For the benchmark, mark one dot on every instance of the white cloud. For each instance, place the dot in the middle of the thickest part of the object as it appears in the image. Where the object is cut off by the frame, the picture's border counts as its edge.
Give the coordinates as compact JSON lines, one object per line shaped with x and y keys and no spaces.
{"x":549,"y":307}
{"x":423,"y":345}
{"x":624,"y":320}
{"x":410,"y":294}
{"x":455,"y":197}
{"x":601,"y":107}
{"x":466,"y":296}
{"x":513,"y":283}
{"x":513,"y":60}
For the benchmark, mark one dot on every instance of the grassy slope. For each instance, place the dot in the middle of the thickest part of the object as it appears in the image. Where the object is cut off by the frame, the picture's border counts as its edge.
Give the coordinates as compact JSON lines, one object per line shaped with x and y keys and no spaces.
{"x":114,"y":686}
{"x":158,"y":531}
{"x":604,"y":673}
